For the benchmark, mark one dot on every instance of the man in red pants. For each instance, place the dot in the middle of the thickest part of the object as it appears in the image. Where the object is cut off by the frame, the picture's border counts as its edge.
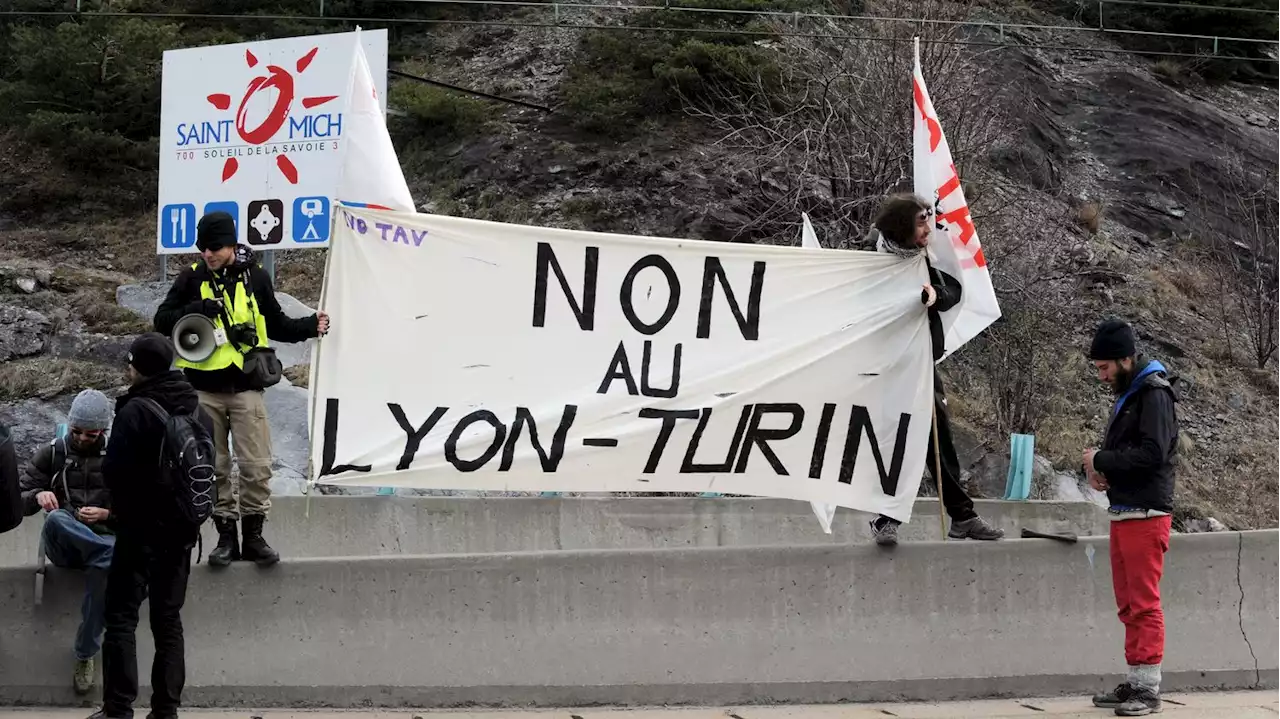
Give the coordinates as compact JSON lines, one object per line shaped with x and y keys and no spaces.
{"x":1135,"y":468}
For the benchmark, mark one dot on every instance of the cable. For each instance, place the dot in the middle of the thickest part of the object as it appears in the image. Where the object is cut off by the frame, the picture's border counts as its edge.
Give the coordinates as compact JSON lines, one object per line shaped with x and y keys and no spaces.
{"x":468,"y":91}
{"x":633,"y":28}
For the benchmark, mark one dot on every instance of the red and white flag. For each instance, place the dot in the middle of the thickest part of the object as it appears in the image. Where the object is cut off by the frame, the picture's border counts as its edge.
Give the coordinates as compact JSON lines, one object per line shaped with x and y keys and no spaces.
{"x":954,"y":247}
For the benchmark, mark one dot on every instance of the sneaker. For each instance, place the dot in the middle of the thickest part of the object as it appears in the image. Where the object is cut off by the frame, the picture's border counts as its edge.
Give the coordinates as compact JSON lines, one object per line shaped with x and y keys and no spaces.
{"x":1114,"y":698}
{"x":83,"y":679}
{"x":1140,"y":703}
{"x":974,"y":528}
{"x":885,"y":532}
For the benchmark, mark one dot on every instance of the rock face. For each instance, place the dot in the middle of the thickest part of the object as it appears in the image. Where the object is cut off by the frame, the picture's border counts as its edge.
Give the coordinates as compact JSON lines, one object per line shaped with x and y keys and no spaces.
{"x":22,"y":332}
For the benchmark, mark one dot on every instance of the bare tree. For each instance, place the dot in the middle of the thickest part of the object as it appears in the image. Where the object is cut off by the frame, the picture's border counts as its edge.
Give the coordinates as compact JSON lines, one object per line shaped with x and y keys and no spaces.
{"x":1245,"y":255}
{"x":829,"y":132}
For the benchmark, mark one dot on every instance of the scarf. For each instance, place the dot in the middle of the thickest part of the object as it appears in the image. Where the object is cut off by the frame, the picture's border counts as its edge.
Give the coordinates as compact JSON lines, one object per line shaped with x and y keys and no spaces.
{"x":892,"y":248}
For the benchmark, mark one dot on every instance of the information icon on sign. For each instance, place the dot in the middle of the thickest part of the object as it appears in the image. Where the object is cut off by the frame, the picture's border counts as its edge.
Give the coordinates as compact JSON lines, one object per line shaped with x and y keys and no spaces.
{"x":310,"y":219}
{"x":178,"y":226}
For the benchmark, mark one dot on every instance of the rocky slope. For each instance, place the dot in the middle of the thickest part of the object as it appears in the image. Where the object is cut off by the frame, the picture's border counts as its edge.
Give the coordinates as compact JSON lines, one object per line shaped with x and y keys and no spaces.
{"x":1096,"y":194}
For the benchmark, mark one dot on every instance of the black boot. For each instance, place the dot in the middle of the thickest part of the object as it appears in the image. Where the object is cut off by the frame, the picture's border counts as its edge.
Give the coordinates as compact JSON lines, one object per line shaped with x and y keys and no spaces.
{"x":228,"y":549}
{"x":256,"y":548}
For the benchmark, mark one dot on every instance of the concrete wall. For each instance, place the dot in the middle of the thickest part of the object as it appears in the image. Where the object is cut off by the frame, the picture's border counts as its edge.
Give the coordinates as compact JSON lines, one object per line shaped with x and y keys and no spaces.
{"x":374,"y":526}
{"x":726,"y":625}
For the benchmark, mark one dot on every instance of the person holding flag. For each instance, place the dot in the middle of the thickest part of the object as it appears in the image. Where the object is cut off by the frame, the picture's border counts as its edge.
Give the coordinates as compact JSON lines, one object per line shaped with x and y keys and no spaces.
{"x":903,"y":228}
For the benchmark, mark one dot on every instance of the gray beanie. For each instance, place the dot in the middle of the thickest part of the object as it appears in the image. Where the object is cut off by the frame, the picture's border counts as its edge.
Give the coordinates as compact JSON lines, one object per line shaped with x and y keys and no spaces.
{"x":90,"y":410}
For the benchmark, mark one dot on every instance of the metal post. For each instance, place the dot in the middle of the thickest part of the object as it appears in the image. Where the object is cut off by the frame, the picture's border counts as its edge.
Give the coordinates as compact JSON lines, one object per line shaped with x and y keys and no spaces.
{"x":1215,"y":46}
{"x":321,"y":8}
{"x":164,"y":268}
{"x":1100,"y":27}
{"x":269,"y":264}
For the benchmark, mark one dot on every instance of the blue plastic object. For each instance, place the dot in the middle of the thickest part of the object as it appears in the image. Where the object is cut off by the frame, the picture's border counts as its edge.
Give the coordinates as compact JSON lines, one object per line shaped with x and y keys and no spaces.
{"x":386,"y":491}
{"x":1022,"y":453}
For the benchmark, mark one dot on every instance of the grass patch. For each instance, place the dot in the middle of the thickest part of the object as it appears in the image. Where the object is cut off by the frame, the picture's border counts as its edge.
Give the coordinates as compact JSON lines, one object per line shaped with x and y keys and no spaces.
{"x":299,"y":374}
{"x":45,"y":377}
{"x":1089,"y":216}
{"x":103,"y":315}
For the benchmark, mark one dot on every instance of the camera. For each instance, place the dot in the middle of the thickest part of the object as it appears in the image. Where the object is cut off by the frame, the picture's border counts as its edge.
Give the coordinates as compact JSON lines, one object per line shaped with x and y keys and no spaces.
{"x":245,"y":334}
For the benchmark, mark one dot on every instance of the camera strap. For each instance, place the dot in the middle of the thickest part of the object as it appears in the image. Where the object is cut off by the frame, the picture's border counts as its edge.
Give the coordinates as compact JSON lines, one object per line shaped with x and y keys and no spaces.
{"x":221,"y":288}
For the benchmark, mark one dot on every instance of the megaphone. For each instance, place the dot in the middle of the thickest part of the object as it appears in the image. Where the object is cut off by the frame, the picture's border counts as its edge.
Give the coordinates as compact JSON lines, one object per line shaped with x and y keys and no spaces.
{"x":195,"y":338}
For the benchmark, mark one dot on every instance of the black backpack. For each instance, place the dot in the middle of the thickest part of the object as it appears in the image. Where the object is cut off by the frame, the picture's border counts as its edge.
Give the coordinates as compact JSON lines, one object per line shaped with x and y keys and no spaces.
{"x":186,"y":464}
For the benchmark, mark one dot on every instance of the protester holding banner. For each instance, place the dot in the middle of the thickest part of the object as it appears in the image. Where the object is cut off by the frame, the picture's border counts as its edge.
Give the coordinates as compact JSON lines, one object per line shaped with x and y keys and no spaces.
{"x":1136,"y":469}
{"x":903,"y":227}
{"x":235,"y":293}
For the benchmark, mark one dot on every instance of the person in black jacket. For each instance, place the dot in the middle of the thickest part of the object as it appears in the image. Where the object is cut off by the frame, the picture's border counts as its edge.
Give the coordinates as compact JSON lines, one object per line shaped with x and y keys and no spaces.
{"x":902,"y":227}
{"x":64,"y":478}
{"x":229,"y":288}
{"x":1135,"y":466}
{"x":152,"y":556}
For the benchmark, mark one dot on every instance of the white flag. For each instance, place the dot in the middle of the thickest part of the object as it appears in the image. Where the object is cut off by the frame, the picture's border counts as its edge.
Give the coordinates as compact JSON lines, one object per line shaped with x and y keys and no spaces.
{"x":808,"y":238}
{"x":954,"y":247}
{"x":371,"y":174}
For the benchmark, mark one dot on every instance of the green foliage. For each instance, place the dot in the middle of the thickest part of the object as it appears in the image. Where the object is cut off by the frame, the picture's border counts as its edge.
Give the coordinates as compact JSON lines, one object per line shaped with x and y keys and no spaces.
{"x":620,"y":76}
{"x":436,"y":112}
{"x":1251,"y":62}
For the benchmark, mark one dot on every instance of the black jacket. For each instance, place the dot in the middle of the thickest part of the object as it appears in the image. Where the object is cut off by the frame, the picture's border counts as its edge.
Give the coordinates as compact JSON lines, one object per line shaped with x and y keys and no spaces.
{"x":1137,"y":456}
{"x":10,"y":494}
{"x":77,"y":482}
{"x":948,"y":291}
{"x":132,"y":465}
{"x":184,"y":299}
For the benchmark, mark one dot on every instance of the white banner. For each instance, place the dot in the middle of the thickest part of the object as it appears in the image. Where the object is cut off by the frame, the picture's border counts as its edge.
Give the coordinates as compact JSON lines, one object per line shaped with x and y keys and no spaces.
{"x":257,"y":129}
{"x":954,"y":247}
{"x":484,"y":356}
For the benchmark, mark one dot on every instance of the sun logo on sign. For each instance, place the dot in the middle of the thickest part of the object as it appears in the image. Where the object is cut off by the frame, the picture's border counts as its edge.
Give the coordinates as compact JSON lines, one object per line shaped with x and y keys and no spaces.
{"x":281,"y":81}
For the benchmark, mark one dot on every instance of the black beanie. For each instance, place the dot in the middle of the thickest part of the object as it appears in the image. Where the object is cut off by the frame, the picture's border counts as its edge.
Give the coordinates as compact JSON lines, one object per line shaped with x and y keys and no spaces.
{"x":215,"y":231}
{"x":151,"y":354}
{"x":1113,"y":341}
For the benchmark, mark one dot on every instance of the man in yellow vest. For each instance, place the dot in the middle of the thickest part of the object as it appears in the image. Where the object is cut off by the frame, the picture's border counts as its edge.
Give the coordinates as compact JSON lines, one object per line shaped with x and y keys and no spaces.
{"x":233,"y":291}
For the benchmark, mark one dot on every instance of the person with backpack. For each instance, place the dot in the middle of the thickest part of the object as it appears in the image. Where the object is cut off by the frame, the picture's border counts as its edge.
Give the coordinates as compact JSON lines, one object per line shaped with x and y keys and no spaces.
{"x":159,"y":469}
{"x":64,"y":478}
{"x":235,"y":293}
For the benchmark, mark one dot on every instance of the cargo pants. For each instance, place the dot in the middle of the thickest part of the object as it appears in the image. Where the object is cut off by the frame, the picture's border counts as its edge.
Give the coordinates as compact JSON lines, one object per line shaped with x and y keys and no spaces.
{"x":242,"y":418}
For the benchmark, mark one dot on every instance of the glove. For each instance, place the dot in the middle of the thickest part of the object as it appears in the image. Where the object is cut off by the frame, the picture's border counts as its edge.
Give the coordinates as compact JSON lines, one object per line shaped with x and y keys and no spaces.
{"x":208,"y":308}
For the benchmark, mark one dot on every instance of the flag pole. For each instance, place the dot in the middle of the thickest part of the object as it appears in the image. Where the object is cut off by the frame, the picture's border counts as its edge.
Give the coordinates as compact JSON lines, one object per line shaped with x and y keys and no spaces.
{"x":937,"y":474}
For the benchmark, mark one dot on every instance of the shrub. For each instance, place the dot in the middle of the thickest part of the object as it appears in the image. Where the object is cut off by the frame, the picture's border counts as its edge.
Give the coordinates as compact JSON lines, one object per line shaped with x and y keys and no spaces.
{"x":620,"y":76}
{"x":437,"y":111}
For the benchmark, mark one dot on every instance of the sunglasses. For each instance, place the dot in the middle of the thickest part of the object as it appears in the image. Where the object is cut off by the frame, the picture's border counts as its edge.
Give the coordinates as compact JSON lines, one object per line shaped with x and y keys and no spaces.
{"x":87,"y":433}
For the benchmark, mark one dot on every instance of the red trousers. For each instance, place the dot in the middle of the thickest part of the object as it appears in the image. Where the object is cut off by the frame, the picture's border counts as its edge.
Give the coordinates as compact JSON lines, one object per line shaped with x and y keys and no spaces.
{"x":1137,"y":563}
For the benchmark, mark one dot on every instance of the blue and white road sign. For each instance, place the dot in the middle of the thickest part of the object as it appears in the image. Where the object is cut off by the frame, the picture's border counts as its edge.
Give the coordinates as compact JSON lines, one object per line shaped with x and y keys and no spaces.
{"x":178,"y":226}
{"x":310,"y":219}
{"x":231,"y":208}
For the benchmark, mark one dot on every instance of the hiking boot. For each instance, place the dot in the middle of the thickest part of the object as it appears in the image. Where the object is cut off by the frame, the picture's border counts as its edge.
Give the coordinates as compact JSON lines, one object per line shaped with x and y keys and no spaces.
{"x":1114,"y":698}
{"x":228,"y":549}
{"x":83,"y":679}
{"x":1141,"y":702}
{"x":885,"y":532}
{"x":255,"y":548}
{"x":974,"y":528}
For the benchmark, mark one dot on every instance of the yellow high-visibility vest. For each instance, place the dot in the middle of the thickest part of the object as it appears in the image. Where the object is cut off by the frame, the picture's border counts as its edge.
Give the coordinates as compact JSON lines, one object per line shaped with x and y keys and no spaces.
{"x":242,"y":307}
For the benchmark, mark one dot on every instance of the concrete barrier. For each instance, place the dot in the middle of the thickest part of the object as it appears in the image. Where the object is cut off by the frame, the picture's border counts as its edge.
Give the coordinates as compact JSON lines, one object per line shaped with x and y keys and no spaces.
{"x":723,"y":625}
{"x":375,"y":526}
